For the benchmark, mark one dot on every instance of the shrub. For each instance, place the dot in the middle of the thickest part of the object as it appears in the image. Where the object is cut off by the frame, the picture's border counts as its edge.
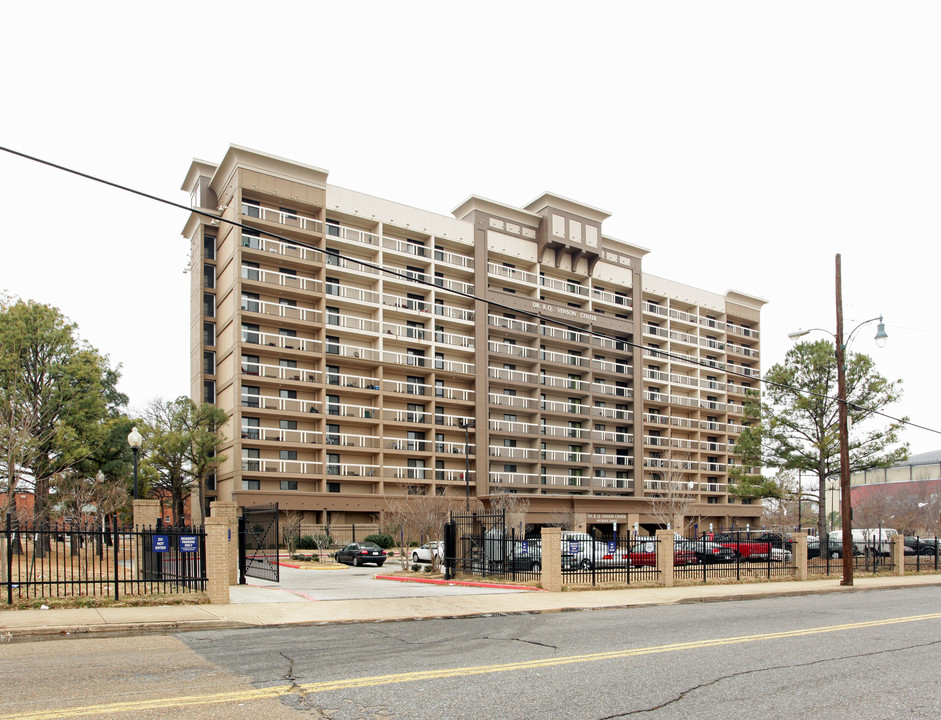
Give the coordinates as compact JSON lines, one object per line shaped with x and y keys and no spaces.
{"x":309,"y":542}
{"x":381,"y":539}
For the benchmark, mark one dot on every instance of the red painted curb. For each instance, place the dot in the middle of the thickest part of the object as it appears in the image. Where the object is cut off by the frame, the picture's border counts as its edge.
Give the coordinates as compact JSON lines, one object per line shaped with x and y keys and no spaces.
{"x":434,"y":581}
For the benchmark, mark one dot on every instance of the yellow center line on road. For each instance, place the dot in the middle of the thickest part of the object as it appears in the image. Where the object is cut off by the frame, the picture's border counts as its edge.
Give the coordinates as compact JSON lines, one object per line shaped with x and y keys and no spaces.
{"x":425,"y":675}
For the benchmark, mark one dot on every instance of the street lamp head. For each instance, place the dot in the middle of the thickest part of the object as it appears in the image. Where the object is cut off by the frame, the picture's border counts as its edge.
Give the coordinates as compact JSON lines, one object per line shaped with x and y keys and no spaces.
{"x":797,"y":334}
{"x":881,"y":336}
{"x":134,"y":438}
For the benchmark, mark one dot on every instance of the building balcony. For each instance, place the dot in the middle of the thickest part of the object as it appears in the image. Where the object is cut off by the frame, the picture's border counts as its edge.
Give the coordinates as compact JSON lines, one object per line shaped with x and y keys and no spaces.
{"x":295,"y":467}
{"x":513,"y":401}
{"x":512,"y":324}
{"x":279,"y":311}
{"x":564,"y":359}
{"x":351,"y":322}
{"x":567,"y":432}
{"x":289,"y":219}
{"x":276,"y":372}
{"x":267,"y":434}
{"x":352,"y":470}
{"x":354,"y":294}
{"x":556,"y":381}
{"x":363,"y":412}
{"x":273,"y":278}
{"x":612,"y":413}
{"x":348,"y":440}
{"x":513,"y":453}
{"x":513,"y":427}
{"x":618,"y":368}
{"x":607,"y":436}
{"x":266,"y":402}
{"x":358,"y":352}
{"x":516,"y":351}
{"x":360,"y":382}
{"x":517,"y":376}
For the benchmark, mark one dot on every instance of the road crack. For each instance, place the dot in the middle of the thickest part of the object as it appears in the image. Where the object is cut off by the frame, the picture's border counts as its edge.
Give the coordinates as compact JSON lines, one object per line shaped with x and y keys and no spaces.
{"x":301,"y":696}
{"x":752,"y":671}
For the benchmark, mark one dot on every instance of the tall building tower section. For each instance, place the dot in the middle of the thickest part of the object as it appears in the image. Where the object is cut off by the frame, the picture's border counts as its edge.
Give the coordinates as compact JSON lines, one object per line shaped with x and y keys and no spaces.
{"x":498,"y":350}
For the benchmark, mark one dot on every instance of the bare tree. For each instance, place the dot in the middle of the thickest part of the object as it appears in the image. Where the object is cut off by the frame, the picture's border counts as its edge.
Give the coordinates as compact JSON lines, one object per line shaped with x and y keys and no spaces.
{"x":674,"y":493}
{"x":515,"y":508}
{"x":291,"y":529}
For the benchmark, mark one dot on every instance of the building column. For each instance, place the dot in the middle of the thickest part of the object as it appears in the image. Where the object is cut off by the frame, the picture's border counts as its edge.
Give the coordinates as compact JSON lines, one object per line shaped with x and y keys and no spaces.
{"x":665,"y":556}
{"x":551,"y":559}
{"x":146,"y":512}
{"x":229,"y":512}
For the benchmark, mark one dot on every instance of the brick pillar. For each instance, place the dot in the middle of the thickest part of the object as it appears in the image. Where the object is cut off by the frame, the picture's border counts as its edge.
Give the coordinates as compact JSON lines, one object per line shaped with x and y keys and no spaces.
{"x":218,"y":540}
{"x":799,"y":548}
{"x":898,"y":553}
{"x":146,"y":512}
{"x":552,"y":559}
{"x":665,"y":556}
{"x":229,"y":511}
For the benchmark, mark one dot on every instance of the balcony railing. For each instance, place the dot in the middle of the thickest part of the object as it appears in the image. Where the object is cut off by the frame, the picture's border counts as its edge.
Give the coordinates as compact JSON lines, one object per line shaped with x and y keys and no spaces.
{"x":366,"y":412}
{"x":280,"y":373}
{"x":351,"y":322}
{"x":513,"y":401}
{"x":508,"y":426}
{"x":361,"y":382}
{"x":564,"y":383}
{"x":288,"y":312}
{"x":565,"y":359}
{"x":256,"y":337}
{"x":352,"y":351}
{"x":267,"y":434}
{"x":292,"y":219}
{"x":279,"y":279}
{"x":519,"y":376}
{"x":513,"y":453}
{"x":296,"y":467}
{"x":562,"y":431}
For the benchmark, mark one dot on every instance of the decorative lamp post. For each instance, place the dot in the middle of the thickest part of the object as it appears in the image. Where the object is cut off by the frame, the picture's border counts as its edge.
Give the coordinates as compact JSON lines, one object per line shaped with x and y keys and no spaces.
{"x":845,"y":501}
{"x":466,"y":425}
{"x":134,"y":439}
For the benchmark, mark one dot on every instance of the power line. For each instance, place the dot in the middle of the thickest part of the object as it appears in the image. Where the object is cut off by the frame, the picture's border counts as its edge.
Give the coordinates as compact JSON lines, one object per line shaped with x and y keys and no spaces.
{"x":411,"y":278}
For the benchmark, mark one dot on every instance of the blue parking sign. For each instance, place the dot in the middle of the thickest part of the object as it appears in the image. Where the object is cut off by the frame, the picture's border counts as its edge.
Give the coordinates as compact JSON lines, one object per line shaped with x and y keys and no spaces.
{"x":188,"y":543}
{"x":612,"y":546}
{"x":160,"y":543}
{"x":524,"y":547}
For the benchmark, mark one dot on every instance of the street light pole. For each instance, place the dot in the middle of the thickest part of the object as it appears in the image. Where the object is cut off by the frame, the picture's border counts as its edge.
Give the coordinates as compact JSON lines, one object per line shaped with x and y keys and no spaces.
{"x":846,"y":508}
{"x":134,"y":439}
{"x":845,"y":502}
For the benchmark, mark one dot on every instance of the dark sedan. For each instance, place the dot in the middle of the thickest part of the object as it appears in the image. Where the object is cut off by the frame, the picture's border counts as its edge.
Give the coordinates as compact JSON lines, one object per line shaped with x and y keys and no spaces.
{"x":921,"y":546}
{"x":707,"y":552}
{"x":361,"y":554}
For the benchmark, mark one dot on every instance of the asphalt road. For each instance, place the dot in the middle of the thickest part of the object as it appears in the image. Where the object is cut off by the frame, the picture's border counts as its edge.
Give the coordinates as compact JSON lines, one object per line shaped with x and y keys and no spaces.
{"x":859,"y":655}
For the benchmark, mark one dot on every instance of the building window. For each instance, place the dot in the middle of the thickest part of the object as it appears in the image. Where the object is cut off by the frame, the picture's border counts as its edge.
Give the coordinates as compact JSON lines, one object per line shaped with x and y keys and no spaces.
{"x":251,"y":485}
{"x":250,"y":302}
{"x":287,"y":455}
{"x":250,"y":333}
{"x":209,"y":391}
{"x":250,"y":460}
{"x":333,"y":228}
{"x":209,"y":333}
{"x":250,"y":271}
{"x":251,"y":396}
{"x":209,"y":362}
{"x":333,"y":487}
{"x":289,"y":484}
{"x":251,"y":428}
{"x":209,"y":247}
{"x":209,"y":275}
{"x":251,"y":239}
{"x":209,"y":304}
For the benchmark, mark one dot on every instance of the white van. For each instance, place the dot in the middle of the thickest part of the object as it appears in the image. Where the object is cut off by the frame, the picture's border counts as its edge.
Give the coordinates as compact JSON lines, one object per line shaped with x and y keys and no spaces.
{"x":868,"y":540}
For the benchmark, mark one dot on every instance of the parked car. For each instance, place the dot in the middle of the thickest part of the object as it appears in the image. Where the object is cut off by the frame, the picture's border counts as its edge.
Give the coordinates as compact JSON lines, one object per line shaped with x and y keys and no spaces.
{"x":435,"y":549}
{"x":834,"y":546}
{"x":361,"y":554}
{"x":868,"y":541}
{"x":745,"y":546}
{"x":921,"y":546}
{"x":706,"y":551}
{"x":780,"y":555}
{"x":644,"y":554}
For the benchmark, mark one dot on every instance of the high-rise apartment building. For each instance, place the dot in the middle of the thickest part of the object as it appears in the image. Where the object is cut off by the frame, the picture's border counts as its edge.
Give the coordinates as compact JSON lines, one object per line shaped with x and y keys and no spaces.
{"x":439,"y":365}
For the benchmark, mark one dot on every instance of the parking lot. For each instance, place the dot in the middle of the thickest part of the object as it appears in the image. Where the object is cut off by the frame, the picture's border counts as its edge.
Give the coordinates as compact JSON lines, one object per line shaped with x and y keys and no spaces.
{"x":344,"y":583}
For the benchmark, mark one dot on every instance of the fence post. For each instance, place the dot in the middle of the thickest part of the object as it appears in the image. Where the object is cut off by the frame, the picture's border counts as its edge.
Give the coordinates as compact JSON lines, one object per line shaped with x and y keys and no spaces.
{"x":115,"y":549}
{"x":218,"y":540}
{"x":6,"y":574}
{"x":551,"y":560}
{"x":229,"y":511}
{"x":799,"y":549}
{"x":665,"y":556}
{"x":146,"y":512}
{"x":898,"y":553}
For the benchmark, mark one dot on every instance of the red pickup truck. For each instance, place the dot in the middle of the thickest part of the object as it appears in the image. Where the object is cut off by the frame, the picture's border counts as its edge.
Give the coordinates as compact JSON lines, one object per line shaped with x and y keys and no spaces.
{"x":745,"y":548}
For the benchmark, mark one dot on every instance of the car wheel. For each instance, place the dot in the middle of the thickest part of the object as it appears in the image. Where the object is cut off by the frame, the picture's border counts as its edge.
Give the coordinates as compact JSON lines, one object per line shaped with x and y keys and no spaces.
{"x":379,"y":564}
{"x":537,"y":566}
{"x":835,"y":554}
{"x":414,"y":557}
{"x":356,"y":562}
{"x":585,"y":564}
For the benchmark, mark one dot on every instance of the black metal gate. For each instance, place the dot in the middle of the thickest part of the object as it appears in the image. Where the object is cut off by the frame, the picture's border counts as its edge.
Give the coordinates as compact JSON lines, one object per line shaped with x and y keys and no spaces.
{"x":258,"y":543}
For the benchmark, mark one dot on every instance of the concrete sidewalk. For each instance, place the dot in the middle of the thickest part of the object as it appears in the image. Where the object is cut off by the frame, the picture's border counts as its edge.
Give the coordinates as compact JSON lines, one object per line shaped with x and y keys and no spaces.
{"x":27,"y":625}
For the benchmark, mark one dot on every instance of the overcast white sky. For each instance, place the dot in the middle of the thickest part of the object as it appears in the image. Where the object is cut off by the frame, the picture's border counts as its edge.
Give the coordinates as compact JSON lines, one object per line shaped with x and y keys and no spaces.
{"x":744,"y":143}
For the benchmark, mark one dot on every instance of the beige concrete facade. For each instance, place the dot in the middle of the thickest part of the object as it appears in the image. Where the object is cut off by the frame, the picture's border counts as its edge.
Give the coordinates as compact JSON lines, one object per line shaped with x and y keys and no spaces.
{"x":349,"y":385}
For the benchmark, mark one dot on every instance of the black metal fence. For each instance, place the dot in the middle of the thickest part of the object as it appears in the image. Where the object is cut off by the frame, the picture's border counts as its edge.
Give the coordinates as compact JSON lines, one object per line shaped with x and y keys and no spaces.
{"x":73,"y":560}
{"x":920,"y":555}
